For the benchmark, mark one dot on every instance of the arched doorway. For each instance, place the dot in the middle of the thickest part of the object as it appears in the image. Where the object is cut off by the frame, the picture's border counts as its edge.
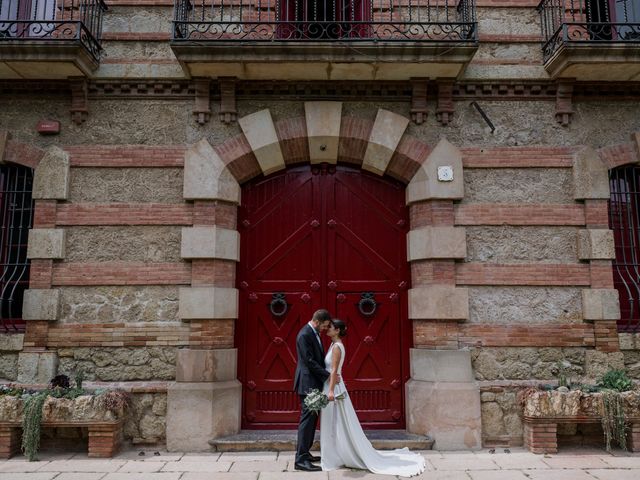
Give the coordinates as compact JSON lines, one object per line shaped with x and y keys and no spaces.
{"x":323,"y":236}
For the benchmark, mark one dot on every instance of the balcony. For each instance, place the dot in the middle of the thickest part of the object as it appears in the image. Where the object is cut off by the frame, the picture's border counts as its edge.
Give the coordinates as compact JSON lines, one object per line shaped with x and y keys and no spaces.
{"x":591,"y":40}
{"x":324,"y":39}
{"x":50,"y":39}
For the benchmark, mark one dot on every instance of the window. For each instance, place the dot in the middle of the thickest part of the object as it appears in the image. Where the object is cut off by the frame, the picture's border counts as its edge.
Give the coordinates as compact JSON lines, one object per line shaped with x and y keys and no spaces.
{"x":624,"y":220}
{"x":613,"y":19}
{"x":16,"y":211}
{"x":323,"y":19}
{"x":26,"y":18}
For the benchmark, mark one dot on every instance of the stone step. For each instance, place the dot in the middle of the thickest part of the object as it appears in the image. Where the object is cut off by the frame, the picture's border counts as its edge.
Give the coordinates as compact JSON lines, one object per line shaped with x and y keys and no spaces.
{"x":285,"y":440}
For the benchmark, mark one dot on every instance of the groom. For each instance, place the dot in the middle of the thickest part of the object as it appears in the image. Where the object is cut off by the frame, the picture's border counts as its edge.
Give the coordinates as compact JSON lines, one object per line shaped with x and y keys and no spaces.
{"x":310,"y":374}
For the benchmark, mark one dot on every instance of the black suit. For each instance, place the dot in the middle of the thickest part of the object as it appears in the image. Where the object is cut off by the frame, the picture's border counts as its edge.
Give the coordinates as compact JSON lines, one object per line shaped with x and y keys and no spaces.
{"x":310,"y":374}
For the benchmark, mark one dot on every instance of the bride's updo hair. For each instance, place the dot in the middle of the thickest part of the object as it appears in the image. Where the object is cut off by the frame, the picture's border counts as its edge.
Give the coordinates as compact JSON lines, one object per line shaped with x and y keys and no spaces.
{"x":340,"y":326}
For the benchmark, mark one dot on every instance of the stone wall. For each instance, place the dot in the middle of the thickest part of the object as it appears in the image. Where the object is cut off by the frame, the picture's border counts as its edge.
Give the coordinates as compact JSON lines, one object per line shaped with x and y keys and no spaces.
{"x":119,"y":364}
{"x":146,"y":421}
{"x":501,"y":422}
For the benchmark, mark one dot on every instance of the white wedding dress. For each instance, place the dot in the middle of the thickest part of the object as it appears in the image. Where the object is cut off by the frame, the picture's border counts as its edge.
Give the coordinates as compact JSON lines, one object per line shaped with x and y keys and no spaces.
{"x":344,"y":444}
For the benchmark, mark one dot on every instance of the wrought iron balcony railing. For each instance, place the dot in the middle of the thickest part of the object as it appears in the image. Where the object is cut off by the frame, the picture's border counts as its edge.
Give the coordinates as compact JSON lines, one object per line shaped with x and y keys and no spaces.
{"x":588,"y":22}
{"x":53,"y":21}
{"x":325,"y":20}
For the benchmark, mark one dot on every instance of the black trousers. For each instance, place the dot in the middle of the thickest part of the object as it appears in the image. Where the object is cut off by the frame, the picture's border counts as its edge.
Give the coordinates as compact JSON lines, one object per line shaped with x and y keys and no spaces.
{"x":306,"y":431}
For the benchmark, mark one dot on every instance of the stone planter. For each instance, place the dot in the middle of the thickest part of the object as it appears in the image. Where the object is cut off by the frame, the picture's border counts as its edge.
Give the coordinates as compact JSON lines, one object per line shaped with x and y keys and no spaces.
{"x":544,"y":410}
{"x":104,"y":424}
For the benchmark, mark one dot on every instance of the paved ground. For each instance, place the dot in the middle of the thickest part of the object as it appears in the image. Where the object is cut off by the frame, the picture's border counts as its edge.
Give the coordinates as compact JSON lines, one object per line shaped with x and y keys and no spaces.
{"x":570,"y":464}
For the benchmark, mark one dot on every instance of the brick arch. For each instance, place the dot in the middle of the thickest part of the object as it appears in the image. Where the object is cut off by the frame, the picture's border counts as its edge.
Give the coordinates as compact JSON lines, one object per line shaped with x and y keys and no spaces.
{"x":621,"y":154}
{"x":288,"y":141}
{"x":13,"y":151}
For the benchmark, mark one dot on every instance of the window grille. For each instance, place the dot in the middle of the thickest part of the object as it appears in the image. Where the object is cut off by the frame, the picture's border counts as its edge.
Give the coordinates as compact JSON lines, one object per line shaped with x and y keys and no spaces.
{"x":624,"y":220}
{"x":16,"y":209}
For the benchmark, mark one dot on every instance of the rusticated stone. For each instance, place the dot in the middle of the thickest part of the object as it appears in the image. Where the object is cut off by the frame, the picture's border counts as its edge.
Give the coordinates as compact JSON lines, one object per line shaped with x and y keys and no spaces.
{"x":130,"y":185}
{"x":261,"y":134}
{"x":524,"y":305}
{"x":131,"y":243}
{"x":51,"y":177}
{"x":517,"y":185}
{"x":512,"y":244}
{"x":596,"y":244}
{"x":527,"y":363}
{"x":121,"y":364}
{"x":632,"y":363}
{"x":598,"y":363}
{"x":128,"y":304}
{"x":146,"y":418}
{"x":590,"y":175}
{"x":8,"y":366}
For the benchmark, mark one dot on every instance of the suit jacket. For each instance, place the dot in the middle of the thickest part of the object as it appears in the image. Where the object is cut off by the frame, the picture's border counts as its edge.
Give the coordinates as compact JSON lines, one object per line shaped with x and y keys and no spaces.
{"x":310,"y":371}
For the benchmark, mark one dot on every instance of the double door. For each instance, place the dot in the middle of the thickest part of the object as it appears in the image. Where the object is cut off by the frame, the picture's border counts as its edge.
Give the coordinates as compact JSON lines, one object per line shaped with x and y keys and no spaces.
{"x":323,"y":237}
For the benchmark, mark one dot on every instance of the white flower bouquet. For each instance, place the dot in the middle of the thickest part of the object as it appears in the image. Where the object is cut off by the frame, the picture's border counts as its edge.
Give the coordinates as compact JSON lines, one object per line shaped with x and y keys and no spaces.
{"x":316,"y":400}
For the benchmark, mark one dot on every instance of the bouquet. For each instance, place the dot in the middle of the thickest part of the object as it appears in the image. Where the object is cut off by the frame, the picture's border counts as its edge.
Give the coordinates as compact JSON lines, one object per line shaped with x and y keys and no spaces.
{"x":316,"y":400}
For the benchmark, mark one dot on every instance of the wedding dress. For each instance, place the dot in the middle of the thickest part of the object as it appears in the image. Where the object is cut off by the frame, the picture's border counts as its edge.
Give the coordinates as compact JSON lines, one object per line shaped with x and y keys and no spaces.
{"x":344,"y":444}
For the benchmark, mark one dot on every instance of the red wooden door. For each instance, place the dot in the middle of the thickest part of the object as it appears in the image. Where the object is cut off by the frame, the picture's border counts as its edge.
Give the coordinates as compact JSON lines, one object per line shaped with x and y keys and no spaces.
{"x":323,"y":237}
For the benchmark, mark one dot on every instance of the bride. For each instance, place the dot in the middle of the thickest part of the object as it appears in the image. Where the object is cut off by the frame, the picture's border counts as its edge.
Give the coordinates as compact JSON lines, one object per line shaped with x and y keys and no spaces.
{"x":342,"y":441}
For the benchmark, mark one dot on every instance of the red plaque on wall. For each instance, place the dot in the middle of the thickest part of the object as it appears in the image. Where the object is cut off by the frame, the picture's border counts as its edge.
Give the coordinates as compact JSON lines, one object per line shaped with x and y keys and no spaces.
{"x":48,"y":127}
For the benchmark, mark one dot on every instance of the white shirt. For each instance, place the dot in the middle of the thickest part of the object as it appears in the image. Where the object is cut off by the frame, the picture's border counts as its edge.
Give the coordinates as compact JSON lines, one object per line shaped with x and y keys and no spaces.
{"x":317,"y":334}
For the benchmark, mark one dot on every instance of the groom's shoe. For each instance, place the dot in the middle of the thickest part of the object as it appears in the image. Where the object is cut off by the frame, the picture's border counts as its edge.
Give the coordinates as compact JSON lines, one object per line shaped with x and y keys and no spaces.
{"x":307,"y":466}
{"x":313,"y":458}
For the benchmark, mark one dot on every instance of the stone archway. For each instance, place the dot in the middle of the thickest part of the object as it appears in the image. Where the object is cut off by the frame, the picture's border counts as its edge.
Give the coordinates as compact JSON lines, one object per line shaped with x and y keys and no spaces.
{"x":206,"y":379}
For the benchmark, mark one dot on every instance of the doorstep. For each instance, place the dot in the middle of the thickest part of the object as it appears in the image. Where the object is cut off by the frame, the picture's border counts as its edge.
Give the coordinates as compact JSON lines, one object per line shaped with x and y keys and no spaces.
{"x":285,"y":440}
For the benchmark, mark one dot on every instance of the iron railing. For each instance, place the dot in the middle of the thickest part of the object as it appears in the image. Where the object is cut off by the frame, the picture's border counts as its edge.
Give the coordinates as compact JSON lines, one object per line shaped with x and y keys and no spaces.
{"x":53,"y":21}
{"x":624,"y":220}
{"x":16,"y":214}
{"x":588,"y":21}
{"x":322,"y":20}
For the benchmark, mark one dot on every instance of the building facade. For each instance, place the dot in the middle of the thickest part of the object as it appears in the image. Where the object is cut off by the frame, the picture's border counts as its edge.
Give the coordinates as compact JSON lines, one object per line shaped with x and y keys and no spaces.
{"x":184,"y":183}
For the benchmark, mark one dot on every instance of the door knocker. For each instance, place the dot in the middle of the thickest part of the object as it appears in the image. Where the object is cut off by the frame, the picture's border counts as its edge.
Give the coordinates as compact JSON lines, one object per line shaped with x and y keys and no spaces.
{"x":278,"y":305}
{"x":367,"y":304}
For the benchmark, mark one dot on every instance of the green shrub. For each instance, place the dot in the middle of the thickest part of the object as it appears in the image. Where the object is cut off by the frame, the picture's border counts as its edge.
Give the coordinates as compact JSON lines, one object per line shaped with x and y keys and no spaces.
{"x":616,"y":380}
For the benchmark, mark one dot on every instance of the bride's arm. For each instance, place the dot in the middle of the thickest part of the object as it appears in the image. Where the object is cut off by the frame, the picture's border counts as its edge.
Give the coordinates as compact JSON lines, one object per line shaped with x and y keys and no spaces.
{"x":336,"y":353}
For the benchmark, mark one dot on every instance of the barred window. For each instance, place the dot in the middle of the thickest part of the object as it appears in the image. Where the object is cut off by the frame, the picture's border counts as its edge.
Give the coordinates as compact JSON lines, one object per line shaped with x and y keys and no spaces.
{"x":624,"y":220}
{"x":16,"y":209}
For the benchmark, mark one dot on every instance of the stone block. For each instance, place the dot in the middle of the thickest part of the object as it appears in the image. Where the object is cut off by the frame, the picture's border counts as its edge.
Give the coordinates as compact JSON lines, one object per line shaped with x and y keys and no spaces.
{"x":600,"y":304}
{"x":323,"y":130}
{"x":46,"y":243}
{"x":596,"y":244}
{"x":218,"y":407}
{"x":4,"y":139}
{"x":596,"y":363}
{"x":635,"y":142}
{"x":441,"y":365}
{"x":260,"y":132}
{"x":439,"y":302}
{"x":52,"y":175}
{"x":447,"y":412}
{"x":37,"y":367}
{"x":11,"y":343}
{"x":206,"y":177}
{"x":425,"y":184}
{"x":219,"y":365}
{"x":590,"y":175}
{"x":41,"y":304}
{"x":386,"y":133}
{"x":206,"y":303}
{"x":210,"y":242}
{"x":436,"y":242}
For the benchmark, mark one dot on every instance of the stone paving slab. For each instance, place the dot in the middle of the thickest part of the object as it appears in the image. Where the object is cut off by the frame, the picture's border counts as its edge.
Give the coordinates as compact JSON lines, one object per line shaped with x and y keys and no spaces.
{"x":616,"y":474}
{"x":498,"y":475}
{"x":187,"y":466}
{"x":28,"y":476}
{"x":80,"y":476}
{"x":518,"y":464}
{"x":219,"y":476}
{"x":568,"y":474}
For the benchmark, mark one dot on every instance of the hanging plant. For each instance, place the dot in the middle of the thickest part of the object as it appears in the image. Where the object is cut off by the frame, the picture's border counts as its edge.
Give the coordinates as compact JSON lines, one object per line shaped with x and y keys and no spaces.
{"x":614,"y":422}
{"x":31,"y":422}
